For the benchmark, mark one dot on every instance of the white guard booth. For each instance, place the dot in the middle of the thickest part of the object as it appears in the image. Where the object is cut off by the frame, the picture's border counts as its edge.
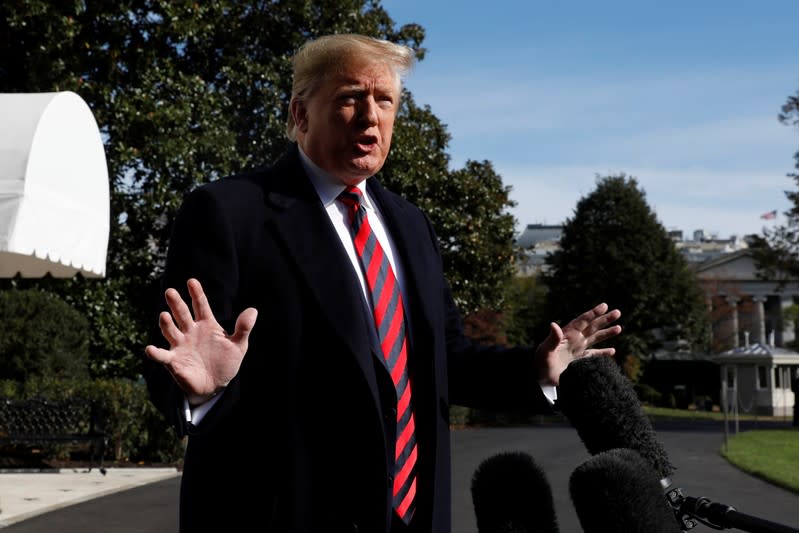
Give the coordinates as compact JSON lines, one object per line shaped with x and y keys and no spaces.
{"x":54,"y":191}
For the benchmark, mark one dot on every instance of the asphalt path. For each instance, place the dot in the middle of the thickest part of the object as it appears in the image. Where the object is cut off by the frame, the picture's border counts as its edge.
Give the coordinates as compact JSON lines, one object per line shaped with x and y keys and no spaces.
{"x":692,"y":447}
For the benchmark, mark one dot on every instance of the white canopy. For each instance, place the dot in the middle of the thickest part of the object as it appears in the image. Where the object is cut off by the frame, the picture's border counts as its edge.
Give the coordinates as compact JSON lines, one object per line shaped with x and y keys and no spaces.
{"x":54,"y":192}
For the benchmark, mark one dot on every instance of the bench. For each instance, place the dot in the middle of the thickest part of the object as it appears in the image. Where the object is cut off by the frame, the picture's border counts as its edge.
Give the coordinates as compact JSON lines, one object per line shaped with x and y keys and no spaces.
{"x":39,"y":422}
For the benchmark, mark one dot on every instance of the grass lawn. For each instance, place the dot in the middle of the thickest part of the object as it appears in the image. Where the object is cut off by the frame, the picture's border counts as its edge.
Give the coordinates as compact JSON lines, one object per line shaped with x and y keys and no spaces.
{"x":770,"y":454}
{"x":663,"y":413}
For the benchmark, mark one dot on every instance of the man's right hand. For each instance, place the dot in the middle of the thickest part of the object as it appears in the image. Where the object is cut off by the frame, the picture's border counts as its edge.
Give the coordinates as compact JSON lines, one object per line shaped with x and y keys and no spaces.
{"x":201,"y":357}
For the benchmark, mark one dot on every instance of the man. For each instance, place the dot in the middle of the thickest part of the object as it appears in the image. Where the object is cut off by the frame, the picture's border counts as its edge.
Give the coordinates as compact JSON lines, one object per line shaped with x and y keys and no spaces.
{"x":326,"y":409}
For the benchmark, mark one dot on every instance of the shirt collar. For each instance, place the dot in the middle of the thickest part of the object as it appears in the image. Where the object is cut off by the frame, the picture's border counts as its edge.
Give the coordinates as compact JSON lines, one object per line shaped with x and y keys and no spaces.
{"x":327,"y":186}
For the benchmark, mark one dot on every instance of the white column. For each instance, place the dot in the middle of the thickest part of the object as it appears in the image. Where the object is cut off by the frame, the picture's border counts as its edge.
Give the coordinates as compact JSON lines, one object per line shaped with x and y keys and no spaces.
{"x":760,"y":318}
{"x":732,"y":301}
{"x":788,"y":335}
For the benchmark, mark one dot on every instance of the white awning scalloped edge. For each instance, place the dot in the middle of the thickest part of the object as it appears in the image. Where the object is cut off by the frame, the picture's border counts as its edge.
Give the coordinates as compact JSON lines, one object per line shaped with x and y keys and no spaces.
{"x":54,"y":191}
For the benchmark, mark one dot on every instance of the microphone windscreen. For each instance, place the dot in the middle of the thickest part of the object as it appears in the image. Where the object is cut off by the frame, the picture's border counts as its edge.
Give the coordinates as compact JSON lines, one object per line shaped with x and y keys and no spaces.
{"x":601,"y":404}
{"x":618,"y":491}
{"x":511,"y":494}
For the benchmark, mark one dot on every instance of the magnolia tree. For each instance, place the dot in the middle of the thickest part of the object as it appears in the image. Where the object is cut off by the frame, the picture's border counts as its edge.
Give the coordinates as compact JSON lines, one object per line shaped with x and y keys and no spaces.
{"x":614,"y":250}
{"x":187,"y":92}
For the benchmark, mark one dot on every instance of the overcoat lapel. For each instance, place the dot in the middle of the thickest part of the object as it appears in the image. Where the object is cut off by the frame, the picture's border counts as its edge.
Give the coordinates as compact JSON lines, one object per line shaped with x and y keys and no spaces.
{"x":298,"y":219}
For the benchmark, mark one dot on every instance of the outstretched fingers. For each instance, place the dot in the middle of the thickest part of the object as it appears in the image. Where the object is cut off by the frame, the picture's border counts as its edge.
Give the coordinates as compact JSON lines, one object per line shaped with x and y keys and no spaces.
{"x":603,"y":335}
{"x":596,"y":319}
{"x":588,"y":319}
{"x":159,"y":355}
{"x":199,"y":301}
{"x":593,"y":327}
{"x":606,"y":318}
{"x":599,"y":352}
{"x":180,"y":311}
{"x":169,"y":330}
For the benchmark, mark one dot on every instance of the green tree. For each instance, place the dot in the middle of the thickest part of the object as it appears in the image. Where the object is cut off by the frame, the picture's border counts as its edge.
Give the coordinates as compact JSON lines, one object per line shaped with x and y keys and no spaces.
{"x":525,"y":305}
{"x":776,"y":252}
{"x":186,"y":92}
{"x":41,"y":335}
{"x":614,"y":250}
{"x":467,"y":207}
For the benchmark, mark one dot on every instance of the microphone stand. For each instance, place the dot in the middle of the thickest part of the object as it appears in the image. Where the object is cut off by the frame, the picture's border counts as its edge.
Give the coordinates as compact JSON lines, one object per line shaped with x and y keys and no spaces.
{"x":690,"y":510}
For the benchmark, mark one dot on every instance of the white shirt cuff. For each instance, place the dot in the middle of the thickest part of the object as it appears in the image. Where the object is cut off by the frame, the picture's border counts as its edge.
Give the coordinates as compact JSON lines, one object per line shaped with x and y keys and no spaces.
{"x":550,"y":391}
{"x":196,"y":414}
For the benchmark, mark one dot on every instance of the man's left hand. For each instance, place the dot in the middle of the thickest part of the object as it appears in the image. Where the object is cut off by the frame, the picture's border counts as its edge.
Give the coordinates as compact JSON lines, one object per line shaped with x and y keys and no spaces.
{"x":574,"y":340}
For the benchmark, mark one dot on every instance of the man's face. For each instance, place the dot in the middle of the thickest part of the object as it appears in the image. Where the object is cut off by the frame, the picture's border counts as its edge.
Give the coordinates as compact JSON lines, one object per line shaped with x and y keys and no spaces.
{"x":345,"y":125}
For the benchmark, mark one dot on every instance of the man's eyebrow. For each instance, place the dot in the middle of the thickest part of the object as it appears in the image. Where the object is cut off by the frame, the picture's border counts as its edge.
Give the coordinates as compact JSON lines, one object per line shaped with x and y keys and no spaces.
{"x":355,"y":91}
{"x":359,"y":89}
{"x":351,"y":88}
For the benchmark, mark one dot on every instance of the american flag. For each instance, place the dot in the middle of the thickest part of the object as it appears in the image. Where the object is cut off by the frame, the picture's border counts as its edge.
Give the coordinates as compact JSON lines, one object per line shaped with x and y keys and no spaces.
{"x":770,"y":215}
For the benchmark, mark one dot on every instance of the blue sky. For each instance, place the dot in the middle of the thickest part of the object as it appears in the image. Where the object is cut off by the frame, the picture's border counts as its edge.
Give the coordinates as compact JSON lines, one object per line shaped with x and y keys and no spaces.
{"x":682,"y":95}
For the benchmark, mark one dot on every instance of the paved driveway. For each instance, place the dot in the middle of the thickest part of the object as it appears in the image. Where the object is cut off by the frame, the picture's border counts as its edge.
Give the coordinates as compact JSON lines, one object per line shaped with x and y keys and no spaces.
{"x":693,"y":448}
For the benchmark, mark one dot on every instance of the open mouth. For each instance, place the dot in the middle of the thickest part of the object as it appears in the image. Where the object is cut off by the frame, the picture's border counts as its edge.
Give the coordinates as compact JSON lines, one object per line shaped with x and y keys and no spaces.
{"x":366,"y":143}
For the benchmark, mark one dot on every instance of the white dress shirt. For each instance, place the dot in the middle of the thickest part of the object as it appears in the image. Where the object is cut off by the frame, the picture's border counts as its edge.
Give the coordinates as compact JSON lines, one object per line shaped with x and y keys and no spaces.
{"x":329,"y":188}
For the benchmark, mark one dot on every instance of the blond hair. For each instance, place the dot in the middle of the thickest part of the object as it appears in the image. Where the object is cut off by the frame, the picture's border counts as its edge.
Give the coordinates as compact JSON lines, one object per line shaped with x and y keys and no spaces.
{"x":326,"y":55}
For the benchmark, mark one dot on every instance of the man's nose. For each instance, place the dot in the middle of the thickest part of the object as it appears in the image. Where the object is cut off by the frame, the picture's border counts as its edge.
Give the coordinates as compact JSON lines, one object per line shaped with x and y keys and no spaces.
{"x":369,"y":111}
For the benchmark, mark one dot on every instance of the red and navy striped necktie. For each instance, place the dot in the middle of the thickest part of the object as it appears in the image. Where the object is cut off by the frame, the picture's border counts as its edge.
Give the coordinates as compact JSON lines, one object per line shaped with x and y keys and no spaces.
{"x":390,"y":322}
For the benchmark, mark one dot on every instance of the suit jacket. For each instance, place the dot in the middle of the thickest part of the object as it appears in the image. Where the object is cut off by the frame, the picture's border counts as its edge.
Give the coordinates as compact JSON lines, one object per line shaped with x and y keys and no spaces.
{"x":302,"y":439}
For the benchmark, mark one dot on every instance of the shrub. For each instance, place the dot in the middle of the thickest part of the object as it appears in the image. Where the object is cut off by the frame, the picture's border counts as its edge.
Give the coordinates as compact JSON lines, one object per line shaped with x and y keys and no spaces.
{"x":135,"y":430}
{"x":648,"y":394}
{"x":41,"y":336}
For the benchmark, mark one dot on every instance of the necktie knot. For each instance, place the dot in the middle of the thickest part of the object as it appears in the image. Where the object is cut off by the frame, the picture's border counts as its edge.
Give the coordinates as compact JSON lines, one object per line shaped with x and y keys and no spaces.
{"x":351,"y":197}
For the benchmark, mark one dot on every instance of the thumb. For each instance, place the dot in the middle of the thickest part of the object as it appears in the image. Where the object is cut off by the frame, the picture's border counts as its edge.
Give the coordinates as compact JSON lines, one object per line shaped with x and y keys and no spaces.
{"x":543,"y":354}
{"x":551,"y":341}
{"x":555,"y":335}
{"x":244,"y":324}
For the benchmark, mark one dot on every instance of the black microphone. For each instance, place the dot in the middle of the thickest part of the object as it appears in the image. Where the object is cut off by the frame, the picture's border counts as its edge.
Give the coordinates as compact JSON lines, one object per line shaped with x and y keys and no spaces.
{"x":601,"y":404}
{"x":721,"y":516}
{"x":511,"y":494}
{"x":618,"y":491}
{"x":603,"y":407}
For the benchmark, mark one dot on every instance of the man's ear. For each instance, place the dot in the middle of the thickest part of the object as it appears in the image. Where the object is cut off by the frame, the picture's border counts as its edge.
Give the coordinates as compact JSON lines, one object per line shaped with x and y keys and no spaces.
{"x":299,"y":113}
